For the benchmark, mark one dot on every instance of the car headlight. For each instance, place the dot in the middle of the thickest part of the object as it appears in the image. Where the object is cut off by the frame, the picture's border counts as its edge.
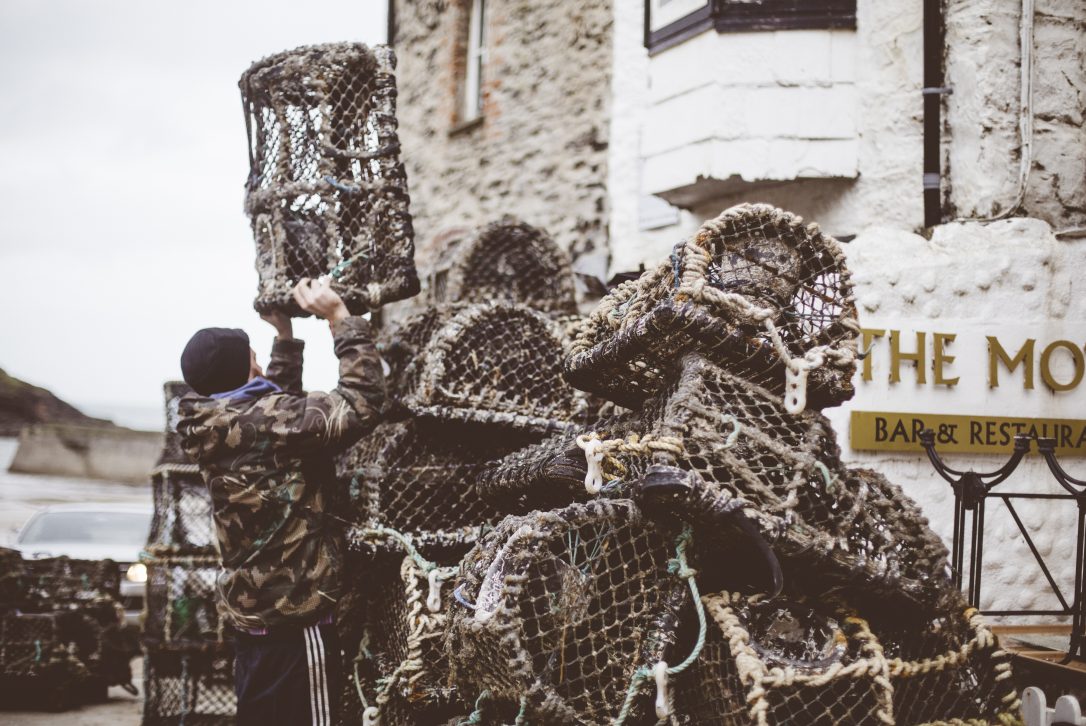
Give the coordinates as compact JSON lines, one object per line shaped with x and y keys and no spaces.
{"x":137,"y":573}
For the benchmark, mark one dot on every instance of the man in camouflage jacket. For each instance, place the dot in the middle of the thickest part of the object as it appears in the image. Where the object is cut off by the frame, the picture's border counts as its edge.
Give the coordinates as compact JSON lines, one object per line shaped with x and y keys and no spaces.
{"x":265,"y":450}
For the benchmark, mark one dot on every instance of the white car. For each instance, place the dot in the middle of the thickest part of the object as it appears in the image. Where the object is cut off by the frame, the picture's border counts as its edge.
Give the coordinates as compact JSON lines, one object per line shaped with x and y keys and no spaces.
{"x":94,"y":532}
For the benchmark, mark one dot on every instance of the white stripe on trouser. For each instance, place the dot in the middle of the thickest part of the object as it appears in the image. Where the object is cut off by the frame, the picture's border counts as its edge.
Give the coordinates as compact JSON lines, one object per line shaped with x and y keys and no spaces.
{"x":324,"y":675}
{"x":318,"y":688}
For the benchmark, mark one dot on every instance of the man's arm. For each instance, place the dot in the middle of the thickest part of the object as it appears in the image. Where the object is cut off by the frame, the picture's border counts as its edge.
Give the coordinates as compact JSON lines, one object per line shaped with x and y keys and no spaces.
{"x":285,"y":366}
{"x":338,"y":417}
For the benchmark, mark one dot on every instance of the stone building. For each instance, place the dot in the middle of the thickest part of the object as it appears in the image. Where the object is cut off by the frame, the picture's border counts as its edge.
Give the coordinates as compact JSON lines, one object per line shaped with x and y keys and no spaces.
{"x":621,"y":128}
{"x":503,"y":108}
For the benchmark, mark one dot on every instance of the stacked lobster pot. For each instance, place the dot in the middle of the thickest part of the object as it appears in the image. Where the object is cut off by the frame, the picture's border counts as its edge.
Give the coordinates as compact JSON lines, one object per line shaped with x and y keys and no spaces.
{"x":188,"y":666}
{"x":327,"y":192}
{"x":474,"y":377}
{"x":61,"y":637}
{"x":704,"y":557}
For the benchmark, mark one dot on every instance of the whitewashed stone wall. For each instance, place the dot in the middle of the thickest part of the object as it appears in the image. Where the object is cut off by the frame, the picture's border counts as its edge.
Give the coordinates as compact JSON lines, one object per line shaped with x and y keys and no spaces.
{"x":733,"y":108}
{"x":882,"y":65}
{"x":982,"y":114}
{"x":1011,"y":278}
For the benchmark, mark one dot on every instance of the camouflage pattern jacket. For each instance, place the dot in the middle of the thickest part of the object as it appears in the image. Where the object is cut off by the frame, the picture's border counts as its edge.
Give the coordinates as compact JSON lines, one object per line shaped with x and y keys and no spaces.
{"x":268,"y":465}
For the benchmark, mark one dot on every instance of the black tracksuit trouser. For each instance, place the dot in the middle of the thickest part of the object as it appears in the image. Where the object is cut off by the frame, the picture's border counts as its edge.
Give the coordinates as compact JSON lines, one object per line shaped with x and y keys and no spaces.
{"x":288,"y":677}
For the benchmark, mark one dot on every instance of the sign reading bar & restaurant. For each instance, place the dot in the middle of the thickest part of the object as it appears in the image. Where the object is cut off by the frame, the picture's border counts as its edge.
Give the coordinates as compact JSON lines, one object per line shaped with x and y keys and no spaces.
{"x":976,"y":388}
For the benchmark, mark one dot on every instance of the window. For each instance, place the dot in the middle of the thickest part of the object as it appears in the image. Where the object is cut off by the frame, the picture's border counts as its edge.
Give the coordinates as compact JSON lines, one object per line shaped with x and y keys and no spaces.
{"x":670,"y":22}
{"x":472,"y":96}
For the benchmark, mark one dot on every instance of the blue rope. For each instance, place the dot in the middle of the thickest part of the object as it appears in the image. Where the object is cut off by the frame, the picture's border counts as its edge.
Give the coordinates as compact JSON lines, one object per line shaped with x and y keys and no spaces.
{"x":679,"y":567}
{"x":476,"y":716}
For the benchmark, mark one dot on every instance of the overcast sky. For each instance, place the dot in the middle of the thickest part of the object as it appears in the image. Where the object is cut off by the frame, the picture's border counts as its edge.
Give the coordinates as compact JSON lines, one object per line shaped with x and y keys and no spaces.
{"x":122,"y":164}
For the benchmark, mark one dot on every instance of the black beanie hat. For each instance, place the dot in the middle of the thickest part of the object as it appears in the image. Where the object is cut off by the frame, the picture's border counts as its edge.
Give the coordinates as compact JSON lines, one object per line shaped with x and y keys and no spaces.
{"x":216,"y":360}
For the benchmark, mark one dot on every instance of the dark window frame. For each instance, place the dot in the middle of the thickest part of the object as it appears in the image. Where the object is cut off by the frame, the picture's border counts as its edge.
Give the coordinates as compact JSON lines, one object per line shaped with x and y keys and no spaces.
{"x":730,"y":16}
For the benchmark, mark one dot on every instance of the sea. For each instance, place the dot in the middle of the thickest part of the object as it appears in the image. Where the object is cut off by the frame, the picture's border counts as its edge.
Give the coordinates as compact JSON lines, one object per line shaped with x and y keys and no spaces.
{"x":21,"y":495}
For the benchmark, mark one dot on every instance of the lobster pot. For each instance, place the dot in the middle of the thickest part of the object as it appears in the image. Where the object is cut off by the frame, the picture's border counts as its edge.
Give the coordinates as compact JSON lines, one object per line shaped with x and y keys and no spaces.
{"x":754,"y":290}
{"x":181,"y":610}
{"x":848,"y":526}
{"x":403,"y":670}
{"x":784,"y":661}
{"x":495,"y":363}
{"x":37,"y":668}
{"x":946,"y":666}
{"x":189,"y":688}
{"x":171,"y":447}
{"x":418,"y":477}
{"x":182,"y":520}
{"x":13,"y":579}
{"x":557,"y":611}
{"x":551,"y":473}
{"x":327,"y":192}
{"x":54,"y":583}
{"x":505,"y":260}
{"x":400,"y":345}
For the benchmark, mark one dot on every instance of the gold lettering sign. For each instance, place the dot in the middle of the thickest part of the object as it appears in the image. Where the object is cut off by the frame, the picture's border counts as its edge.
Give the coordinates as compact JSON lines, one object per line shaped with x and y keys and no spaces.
{"x":885,"y":431}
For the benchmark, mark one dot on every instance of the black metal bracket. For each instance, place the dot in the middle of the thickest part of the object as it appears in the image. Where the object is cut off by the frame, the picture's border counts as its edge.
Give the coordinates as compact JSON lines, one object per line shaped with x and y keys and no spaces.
{"x":971,"y":492}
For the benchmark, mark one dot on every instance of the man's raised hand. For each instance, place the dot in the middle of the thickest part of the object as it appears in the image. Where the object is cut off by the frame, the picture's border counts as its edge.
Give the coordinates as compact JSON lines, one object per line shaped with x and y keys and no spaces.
{"x":317,"y":297}
{"x":284,"y":328}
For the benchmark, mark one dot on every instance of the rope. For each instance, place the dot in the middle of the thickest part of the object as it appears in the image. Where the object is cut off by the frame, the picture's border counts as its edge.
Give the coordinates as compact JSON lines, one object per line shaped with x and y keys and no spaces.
{"x":599,"y":451}
{"x":679,"y":567}
{"x":476,"y":716}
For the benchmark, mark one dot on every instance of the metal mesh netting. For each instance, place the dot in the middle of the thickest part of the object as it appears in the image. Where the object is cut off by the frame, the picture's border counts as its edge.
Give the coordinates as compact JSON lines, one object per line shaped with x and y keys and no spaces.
{"x":567,"y":606}
{"x":418,"y":477}
{"x":188,"y":689}
{"x":793,"y":660}
{"x":181,"y":610}
{"x":327,"y":192}
{"x":755,"y":290}
{"x":505,"y":260}
{"x":495,"y":363}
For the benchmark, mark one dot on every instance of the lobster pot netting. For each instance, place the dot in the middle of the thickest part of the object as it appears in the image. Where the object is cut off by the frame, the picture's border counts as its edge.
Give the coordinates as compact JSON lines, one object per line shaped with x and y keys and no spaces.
{"x":327,"y":192}
{"x":189,"y":689}
{"x":754,"y":290}
{"x":417,"y":477}
{"x":401,"y":669}
{"x":13,"y":579}
{"x":172,"y":454}
{"x":39,"y":667}
{"x":182,"y":520}
{"x":505,"y":260}
{"x":945,"y":666}
{"x":181,"y":610}
{"x":551,"y":473}
{"x":568,"y":606}
{"x":784,"y":471}
{"x":56,"y":583}
{"x":496,"y":363}
{"x":400,"y":345}
{"x":785,"y":661}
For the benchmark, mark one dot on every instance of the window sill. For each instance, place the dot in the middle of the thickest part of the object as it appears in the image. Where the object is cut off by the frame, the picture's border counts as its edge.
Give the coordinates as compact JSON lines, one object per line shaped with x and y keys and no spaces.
{"x":464,"y":127}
